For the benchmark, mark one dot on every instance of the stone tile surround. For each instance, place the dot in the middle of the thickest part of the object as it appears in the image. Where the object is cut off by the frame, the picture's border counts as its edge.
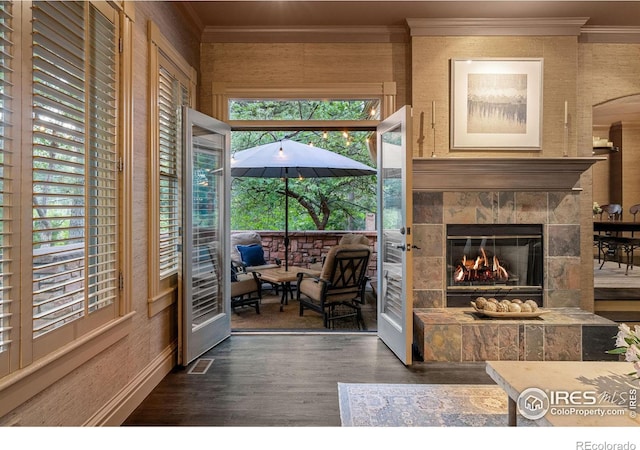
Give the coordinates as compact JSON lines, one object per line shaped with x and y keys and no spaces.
{"x":461,"y":335}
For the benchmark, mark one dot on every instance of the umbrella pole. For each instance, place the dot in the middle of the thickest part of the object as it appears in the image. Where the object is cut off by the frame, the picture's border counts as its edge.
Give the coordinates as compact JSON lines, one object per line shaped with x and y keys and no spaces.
{"x":286,"y":222}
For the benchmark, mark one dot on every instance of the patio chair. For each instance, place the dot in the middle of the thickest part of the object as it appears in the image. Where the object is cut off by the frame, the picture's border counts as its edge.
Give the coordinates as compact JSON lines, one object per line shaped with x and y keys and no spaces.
{"x":339,"y":289}
{"x":247,"y":253}
{"x":246,"y":290}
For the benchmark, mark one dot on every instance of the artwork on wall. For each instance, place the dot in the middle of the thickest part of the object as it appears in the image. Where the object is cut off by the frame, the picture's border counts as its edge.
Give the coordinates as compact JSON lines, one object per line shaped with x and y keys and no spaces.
{"x":496,"y":103}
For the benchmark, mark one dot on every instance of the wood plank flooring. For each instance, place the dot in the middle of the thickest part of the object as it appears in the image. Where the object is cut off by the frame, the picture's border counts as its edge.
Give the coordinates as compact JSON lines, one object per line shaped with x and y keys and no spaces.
{"x":285,"y":380}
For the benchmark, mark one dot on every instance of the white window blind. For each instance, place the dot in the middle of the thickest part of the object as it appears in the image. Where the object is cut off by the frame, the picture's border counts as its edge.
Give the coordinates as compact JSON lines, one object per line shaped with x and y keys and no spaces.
{"x":6,"y":63}
{"x":171,"y":96}
{"x":74,"y":163}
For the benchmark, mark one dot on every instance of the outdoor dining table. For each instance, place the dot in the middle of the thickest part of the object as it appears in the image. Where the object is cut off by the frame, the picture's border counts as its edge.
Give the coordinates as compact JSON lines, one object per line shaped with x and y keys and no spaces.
{"x":283,"y":278}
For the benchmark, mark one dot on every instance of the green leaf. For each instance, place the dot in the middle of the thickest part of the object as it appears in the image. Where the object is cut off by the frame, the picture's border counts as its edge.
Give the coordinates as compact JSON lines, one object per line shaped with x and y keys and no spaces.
{"x":617,"y":351}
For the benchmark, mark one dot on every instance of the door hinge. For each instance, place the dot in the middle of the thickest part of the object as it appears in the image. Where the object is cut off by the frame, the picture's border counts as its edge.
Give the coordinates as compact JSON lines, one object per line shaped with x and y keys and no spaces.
{"x":120,"y":45}
{"x":120,"y":164}
{"x":120,"y":281}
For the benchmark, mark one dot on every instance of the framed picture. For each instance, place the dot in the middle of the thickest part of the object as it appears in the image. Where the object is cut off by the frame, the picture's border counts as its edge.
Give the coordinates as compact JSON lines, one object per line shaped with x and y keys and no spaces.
{"x":496,"y":103}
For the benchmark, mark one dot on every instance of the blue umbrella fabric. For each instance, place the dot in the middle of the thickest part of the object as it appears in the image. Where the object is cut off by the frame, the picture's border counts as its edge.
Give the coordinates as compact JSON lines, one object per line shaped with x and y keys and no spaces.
{"x":290,"y":159}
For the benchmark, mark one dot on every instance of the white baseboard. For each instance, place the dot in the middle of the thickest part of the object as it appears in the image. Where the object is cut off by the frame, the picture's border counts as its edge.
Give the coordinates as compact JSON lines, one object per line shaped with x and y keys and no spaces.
{"x":116,"y":411}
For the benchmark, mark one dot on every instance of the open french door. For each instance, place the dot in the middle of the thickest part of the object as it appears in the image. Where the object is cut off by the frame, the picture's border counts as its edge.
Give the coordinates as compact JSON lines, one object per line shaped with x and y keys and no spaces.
{"x":395,"y":219}
{"x":205,"y":293}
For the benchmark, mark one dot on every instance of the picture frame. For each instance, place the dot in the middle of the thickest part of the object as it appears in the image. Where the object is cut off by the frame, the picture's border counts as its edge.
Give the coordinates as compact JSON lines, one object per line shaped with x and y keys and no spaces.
{"x":496,"y":103}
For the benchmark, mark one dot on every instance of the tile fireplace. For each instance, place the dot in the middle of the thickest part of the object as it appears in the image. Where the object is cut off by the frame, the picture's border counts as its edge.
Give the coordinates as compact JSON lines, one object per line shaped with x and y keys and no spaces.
{"x":502,"y":228}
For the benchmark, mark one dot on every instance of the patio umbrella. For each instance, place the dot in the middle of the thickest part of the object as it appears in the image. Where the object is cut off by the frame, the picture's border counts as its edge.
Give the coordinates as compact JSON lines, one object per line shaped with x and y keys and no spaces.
{"x":290,"y":159}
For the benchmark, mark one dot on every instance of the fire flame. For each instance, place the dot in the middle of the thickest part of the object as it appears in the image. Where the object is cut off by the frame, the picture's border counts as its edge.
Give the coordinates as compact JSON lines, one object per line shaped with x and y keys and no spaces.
{"x":480,"y":269}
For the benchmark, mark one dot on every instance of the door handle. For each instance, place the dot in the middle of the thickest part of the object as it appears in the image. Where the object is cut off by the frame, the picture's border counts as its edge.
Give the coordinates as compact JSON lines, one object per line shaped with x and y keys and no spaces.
{"x":401,"y":247}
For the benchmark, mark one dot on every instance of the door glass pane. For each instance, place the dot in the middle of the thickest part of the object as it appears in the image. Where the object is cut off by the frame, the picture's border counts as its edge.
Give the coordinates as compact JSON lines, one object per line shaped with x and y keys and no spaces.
{"x":392,"y":220}
{"x":207,"y":225}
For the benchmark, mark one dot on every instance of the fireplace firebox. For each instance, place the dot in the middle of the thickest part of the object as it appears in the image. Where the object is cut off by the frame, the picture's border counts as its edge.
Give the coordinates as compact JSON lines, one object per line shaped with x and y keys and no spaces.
{"x":504,"y":261}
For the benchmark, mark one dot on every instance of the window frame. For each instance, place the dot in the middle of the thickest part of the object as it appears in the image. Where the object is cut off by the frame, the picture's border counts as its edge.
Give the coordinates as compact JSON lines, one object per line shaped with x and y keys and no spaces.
{"x":223,"y":92}
{"x":163,"y":288}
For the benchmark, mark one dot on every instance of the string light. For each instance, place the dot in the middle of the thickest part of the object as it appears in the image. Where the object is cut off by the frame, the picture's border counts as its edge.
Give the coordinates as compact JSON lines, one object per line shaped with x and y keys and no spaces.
{"x":345,"y":134}
{"x":325,"y":135}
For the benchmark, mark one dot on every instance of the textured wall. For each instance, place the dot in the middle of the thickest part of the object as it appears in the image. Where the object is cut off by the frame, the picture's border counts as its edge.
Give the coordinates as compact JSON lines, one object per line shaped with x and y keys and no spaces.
{"x":431,"y":82}
{"x":630,"y":166}
{"x":283,"y":64}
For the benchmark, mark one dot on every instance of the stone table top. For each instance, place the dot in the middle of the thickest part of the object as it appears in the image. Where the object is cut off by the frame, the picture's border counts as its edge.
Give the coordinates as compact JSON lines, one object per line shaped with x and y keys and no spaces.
{"x":578,"y":393}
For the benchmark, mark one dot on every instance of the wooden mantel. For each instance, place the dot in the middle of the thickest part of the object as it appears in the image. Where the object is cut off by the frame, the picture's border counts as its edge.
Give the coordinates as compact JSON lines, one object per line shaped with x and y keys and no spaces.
{"x":500,"y":174}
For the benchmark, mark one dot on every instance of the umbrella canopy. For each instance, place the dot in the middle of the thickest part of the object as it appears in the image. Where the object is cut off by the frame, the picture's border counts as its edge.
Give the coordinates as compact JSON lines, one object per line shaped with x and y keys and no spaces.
{"x":290,"y":159}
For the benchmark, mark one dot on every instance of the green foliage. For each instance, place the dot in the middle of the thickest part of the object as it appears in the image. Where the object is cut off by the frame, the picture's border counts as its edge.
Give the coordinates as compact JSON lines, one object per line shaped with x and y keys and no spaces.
{"x":322,"y":203}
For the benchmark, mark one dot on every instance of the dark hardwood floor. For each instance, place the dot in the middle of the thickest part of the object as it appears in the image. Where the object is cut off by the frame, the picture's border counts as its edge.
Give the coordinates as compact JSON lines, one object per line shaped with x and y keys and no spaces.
{"x":285,"y":380}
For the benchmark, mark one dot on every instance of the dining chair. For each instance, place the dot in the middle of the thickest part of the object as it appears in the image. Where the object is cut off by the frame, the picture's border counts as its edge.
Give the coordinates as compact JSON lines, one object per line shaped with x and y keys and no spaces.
{"x":608,"y":244}
{"x":633,"y":211}
{"x":613,"y":211}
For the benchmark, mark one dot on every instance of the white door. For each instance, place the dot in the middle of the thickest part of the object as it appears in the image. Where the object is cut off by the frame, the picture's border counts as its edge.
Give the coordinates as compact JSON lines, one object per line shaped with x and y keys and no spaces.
{"x":206,"y":297}
{"x":395,"y":301}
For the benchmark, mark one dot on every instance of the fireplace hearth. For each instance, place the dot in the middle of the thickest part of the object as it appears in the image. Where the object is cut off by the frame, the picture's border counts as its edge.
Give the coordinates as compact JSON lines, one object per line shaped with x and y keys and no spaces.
{"x":504,"y":261}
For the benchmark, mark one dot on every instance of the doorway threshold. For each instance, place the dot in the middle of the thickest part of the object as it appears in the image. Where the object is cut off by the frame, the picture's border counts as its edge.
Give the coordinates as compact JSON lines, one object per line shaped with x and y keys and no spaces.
{"x":303,"y":332}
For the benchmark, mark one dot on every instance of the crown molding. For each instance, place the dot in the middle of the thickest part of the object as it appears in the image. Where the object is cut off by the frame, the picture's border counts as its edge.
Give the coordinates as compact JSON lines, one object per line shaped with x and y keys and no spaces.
{"x":189,"y":14}
{"x":613,"y":35}
{"x":312,"y":34}
{"x":561,"y":26}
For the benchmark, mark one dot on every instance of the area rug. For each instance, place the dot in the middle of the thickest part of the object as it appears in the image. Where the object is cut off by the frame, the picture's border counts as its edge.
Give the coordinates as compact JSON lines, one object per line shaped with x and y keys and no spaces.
{"x":422,"y":405}
{"x":272,"y":319}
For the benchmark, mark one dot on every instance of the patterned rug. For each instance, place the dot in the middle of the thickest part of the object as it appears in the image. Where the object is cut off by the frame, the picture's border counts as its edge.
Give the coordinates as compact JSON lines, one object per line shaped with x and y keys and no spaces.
{"x":422,"y":405}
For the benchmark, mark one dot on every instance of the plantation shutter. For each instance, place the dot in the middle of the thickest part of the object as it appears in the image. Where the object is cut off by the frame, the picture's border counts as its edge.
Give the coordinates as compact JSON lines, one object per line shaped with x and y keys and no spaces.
{"x":172,"y":95}
{"x":103,"y":163}
{"x":74,"y":163}
{"x":6,"y":63}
